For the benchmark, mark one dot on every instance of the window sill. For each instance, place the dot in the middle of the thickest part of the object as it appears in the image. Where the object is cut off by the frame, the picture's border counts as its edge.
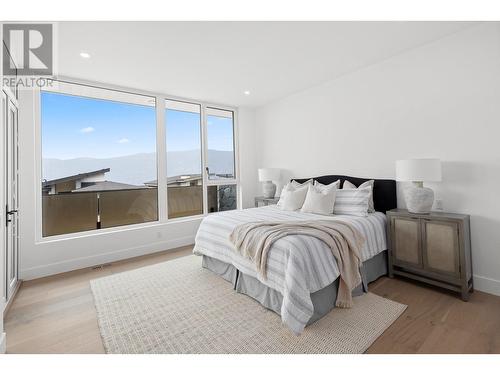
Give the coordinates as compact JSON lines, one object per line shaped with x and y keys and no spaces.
{"x":113,"y":230}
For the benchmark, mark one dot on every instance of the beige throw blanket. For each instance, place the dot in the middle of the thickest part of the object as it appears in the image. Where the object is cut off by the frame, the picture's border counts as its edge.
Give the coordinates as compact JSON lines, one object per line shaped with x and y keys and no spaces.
{"x":254,"y":240}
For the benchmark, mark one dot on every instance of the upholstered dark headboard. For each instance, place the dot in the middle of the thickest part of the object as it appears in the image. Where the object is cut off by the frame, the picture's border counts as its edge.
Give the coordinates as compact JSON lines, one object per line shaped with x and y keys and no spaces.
{"x":384,"y":191}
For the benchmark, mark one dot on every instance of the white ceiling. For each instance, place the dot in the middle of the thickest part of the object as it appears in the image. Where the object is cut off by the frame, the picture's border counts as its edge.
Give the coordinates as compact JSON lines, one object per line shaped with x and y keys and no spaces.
{"x":218,"y":61}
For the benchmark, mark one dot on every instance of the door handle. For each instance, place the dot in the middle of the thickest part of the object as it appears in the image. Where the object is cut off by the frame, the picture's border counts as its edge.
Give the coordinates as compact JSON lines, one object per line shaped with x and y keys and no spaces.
{"x":7,"y":216}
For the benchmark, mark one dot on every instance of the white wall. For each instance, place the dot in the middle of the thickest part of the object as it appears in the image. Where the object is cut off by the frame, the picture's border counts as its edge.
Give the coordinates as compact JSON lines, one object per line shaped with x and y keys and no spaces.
{"x":47,"y":257}
{"x":439,"y":100}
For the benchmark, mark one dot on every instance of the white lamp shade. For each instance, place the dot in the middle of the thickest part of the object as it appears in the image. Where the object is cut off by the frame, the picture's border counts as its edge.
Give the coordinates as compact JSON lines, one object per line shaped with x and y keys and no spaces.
{"x":269,"y":174}
{"x":418,"y":170}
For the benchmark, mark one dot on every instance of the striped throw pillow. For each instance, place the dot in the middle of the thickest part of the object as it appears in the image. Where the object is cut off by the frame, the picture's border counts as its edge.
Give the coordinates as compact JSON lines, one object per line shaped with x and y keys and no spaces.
{"x":349,"y":185}
{"x":352,"y":202}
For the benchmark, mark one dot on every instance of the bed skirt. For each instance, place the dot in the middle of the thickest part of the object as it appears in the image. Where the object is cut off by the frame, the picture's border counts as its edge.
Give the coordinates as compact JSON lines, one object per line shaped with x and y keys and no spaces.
{"x":323,"y":300}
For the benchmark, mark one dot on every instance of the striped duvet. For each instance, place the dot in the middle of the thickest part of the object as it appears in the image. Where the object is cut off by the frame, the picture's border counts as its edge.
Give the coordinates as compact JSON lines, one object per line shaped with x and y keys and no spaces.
{"x":297,"y":265}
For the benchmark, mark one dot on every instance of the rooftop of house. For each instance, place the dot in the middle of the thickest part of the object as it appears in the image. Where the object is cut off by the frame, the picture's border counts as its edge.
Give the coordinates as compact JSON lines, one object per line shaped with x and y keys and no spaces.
{"x":176,"y":179}
{"x":75,"y":177}
{"x":106,"y":186}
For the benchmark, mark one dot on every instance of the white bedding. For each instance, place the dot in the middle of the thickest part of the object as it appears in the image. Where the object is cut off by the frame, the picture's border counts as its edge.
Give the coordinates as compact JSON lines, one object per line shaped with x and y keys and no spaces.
{"x":297,"y":265}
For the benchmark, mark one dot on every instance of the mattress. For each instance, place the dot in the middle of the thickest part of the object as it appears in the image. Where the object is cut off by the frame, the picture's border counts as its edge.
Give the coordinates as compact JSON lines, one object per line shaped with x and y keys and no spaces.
{"x":297,"y":265}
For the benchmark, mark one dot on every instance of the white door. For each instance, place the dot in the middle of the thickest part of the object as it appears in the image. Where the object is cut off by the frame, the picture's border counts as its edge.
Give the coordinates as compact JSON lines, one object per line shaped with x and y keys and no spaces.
{"x":11,"y":209}
{"x":3,"y":230}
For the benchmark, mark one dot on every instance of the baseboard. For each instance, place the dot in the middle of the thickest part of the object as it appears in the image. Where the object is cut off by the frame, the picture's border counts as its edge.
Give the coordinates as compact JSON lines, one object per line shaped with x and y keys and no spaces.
{"x":83,"y":262}
{"x":11,"y":299}
{"x":3,"y":343}
{"x":3,"y":337}
{"x":487,"y":285}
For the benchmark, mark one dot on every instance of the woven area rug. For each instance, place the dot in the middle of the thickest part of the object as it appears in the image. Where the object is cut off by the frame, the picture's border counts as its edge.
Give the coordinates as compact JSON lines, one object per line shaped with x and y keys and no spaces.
{"x":179,"y":307}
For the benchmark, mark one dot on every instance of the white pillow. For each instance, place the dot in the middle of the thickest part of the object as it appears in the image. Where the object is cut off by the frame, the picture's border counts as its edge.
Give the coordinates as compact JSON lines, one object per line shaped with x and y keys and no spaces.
{"x":349,"y":185}
{"x":298,"y":184}
{"x":294,"y":198}
{"x":294,"y":184}
{"x":322,"y":187}
{"x":352,"y":202}
{"x":319,"y":201}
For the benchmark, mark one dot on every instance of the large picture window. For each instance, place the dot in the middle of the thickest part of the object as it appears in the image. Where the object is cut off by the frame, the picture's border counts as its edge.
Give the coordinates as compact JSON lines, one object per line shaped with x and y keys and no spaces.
{"x":99,"y":159}
{"x":184,"y":165}
{"x":221,"y":173}
{"x":98,"y":155}
{"x":220,"y":144}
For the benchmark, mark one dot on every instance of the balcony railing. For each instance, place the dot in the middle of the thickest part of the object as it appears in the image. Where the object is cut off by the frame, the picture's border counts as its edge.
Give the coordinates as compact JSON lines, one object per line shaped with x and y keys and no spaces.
{"x":78,"y":212}
{"x":185,"y":201}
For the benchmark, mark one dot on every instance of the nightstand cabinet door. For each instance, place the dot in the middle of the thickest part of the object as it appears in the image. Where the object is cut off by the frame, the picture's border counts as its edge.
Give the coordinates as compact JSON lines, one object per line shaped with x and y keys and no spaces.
{"x":406,"y":241}
{"x":441,"y":253}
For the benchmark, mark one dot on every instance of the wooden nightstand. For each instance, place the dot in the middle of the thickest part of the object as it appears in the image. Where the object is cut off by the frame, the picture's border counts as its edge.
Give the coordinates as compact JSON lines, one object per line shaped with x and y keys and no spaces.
{"x":266,"y":201}
{"x":432,"y":248}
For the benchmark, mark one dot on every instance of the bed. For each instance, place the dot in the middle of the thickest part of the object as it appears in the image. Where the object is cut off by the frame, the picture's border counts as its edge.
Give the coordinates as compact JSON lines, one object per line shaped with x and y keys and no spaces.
{"x":302,"y":276}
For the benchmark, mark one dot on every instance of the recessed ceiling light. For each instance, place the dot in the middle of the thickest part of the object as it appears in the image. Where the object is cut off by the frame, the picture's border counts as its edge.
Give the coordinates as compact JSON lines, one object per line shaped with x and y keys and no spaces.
{"x":246,"y":92}
{"x":85,"y":55}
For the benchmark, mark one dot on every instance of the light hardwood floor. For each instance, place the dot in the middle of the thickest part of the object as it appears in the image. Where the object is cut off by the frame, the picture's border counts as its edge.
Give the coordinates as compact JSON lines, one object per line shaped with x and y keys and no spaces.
{"x":56,"y":314}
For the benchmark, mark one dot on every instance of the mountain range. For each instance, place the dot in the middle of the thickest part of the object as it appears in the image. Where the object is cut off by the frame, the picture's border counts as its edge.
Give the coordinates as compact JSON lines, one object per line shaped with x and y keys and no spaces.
{"x":137,"y":169}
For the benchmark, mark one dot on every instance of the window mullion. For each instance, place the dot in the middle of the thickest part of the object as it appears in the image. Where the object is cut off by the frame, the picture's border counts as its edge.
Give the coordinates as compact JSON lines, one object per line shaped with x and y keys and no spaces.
{"x":161,"y":162}
{"x":236,"y":156}
{"x":204,"y":158}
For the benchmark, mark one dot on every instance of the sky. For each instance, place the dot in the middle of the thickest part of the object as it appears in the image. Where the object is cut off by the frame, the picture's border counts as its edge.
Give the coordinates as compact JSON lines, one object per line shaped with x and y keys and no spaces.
{"x":76,"y":127}
{"x":183,"y":131}
{"x":220,"y":133}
